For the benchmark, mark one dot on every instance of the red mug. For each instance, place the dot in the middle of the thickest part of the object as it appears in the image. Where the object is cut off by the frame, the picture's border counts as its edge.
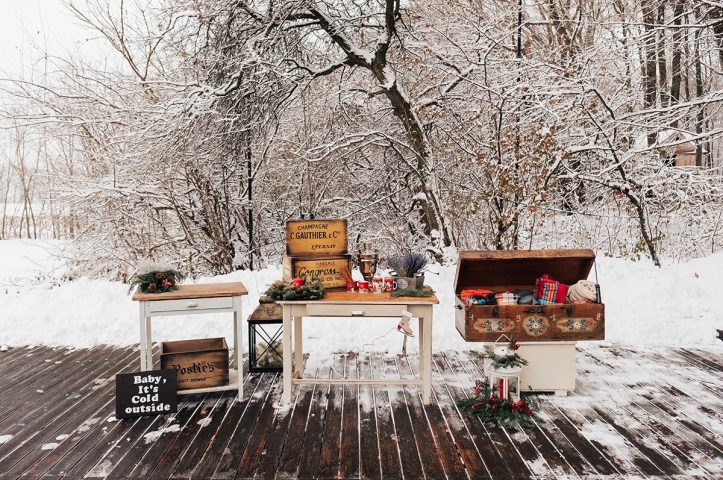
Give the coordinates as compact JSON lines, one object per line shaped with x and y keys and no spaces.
{"x":351,"y":286}
{"x":364,"y":287}
{"x":388,"y":284}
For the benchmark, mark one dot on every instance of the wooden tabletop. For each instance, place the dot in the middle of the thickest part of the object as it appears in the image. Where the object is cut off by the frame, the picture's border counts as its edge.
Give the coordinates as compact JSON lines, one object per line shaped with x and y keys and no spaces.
{"x":201,"y":290}
{"x":367,"y":298}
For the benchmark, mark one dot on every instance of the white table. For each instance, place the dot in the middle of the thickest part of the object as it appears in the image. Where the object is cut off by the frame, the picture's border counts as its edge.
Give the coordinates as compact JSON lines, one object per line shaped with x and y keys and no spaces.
{"x":193,"y":300}
{"x":343,"y":304}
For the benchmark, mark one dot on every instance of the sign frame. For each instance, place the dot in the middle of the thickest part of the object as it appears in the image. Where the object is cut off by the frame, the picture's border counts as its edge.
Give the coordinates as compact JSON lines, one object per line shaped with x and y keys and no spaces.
{"x":155,"y":389}
{"x":316,"y":238}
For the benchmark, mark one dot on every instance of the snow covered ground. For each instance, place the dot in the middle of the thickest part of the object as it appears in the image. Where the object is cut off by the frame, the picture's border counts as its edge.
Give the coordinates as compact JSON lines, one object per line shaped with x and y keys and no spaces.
{"x":675,"y":305}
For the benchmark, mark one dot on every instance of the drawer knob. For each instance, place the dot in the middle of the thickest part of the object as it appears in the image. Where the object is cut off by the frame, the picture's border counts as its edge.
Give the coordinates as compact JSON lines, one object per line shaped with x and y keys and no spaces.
{"x":191,"y":305}
{"x":357,"y":313}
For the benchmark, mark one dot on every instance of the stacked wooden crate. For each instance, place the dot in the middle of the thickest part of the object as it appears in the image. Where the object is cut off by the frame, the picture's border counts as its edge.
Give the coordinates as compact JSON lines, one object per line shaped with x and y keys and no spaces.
{"x":318,"y":248}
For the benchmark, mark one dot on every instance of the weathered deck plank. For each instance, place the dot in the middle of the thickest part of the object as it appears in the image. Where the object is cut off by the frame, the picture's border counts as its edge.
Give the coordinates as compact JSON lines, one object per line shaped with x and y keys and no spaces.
{"x":649,"y":412}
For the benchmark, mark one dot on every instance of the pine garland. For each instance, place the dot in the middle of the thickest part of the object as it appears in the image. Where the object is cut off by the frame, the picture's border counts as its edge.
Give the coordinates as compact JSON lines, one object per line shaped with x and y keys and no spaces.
{"x":306,"y":288}
{"x":157,"y":281}
{"x":506,"y":361}
{"x":510,"y":360}
{"x":490,"y":408}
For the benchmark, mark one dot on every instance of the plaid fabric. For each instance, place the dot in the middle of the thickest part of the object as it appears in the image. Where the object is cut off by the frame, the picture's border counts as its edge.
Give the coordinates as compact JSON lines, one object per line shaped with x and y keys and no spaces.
{"x":550,"y":291}
{"x":474,"y":292}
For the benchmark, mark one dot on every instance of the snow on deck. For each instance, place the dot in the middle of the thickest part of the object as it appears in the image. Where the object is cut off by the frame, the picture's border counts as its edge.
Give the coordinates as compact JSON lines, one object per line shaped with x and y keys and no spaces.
{"x":636,"y":413}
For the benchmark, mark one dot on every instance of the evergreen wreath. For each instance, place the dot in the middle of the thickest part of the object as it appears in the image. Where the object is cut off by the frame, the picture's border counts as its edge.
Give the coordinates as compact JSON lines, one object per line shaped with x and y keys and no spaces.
{"x":157,"y":281}
{"x":511,"y":360}
{"x":306,"y":288}
{"x":490,"y":408}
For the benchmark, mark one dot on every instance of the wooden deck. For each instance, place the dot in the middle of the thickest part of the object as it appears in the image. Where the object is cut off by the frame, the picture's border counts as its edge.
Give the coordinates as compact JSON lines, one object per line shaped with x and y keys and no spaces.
{"x":636,"y":413}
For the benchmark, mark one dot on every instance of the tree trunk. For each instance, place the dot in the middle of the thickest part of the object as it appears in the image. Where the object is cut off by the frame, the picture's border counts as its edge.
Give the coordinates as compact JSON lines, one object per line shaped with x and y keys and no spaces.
{"x":717,"y":13}
{"x":403,"y":110}
{"x":675,"y":78}
{"x":662,"y":60}
{"x":432,"y":216}
{"x":650,"y":81}
{"x":698,"y":93}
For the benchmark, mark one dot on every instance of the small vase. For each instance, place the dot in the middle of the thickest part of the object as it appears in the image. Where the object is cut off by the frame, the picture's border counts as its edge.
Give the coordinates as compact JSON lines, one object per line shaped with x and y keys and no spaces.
{"x":406,"y":283}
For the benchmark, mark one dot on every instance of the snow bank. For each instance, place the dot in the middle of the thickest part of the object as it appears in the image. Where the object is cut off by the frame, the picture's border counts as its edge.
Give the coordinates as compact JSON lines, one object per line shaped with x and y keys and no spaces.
{"x":23,"y":261}
{"x":676,"y":304}
{"x":645,"y":305}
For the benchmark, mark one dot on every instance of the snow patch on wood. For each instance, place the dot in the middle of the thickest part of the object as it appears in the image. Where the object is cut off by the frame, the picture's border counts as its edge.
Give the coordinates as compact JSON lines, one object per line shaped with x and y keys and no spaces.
{"x":156,"y":434}
{"x":85,"y":426}
{"x":605,"y":435}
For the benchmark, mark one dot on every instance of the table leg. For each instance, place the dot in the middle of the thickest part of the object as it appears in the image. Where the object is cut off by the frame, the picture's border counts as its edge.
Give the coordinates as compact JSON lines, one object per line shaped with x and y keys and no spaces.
{"x":427,"y":348}
{"x":286,"y":394}
{"x":238,"y":346}
{"x":149,"y":344}
{"x":422,"y":363}
{"x":298,"y":349}
{"x":142,"y":341}
{"x":234,"y":360}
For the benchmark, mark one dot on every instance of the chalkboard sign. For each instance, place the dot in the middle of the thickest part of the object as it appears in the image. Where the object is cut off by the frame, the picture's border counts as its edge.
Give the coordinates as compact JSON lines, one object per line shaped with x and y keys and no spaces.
{"x":145,"y":393}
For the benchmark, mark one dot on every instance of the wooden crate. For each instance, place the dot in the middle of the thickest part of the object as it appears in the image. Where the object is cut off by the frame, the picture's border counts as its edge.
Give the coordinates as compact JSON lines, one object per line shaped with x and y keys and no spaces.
{"x":508,"y":270}
{"x":333,"y":271}
{"x":200,"y":363}
{"x":312,"y":238}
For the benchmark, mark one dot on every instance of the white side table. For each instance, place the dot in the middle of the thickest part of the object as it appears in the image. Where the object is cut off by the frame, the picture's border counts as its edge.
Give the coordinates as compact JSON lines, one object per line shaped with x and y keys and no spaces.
{"x":367,"y":305}
{"x":192,"y":300}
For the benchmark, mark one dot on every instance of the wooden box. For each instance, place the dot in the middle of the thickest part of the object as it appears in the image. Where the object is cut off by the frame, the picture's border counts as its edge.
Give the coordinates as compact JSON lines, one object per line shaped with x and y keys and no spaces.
{"x":198,"y":363}
{"x":312,"y":238}
{"x":333,"y":271}
{"x":509,"y":270}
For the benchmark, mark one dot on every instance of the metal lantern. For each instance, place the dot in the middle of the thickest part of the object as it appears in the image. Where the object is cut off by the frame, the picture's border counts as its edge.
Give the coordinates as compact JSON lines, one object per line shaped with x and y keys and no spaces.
{"x":507,"y":377}
{"x":508,"y":382}
{"x":265,"y":347}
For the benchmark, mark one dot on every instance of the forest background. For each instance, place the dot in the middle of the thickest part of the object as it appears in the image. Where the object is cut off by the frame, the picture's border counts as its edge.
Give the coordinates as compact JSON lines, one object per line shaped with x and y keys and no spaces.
{"x":197,"y":128}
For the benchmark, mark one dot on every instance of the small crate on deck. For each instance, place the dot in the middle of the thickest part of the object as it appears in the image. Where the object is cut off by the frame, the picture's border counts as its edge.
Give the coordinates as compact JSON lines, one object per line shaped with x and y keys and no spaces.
{"x":265,"y":347}
{"x":200,"y":363}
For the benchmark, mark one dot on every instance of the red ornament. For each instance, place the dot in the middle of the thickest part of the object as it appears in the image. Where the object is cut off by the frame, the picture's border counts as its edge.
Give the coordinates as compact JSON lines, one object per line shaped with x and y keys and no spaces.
{"x":297,"y":283}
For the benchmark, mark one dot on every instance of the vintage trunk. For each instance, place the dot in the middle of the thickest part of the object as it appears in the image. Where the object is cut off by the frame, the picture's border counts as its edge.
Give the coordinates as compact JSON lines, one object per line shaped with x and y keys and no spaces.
{"x":333,"y":271}
{"x":546,"y":333}
{"x":311,"y":238}
{"x":509,"y":270}
{"x":200,"y":363}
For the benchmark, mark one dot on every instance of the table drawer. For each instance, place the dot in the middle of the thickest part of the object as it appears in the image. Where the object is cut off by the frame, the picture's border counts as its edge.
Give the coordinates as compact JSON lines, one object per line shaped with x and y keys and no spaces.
{"x":190,"y":304}
{"x":336,"y":310}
